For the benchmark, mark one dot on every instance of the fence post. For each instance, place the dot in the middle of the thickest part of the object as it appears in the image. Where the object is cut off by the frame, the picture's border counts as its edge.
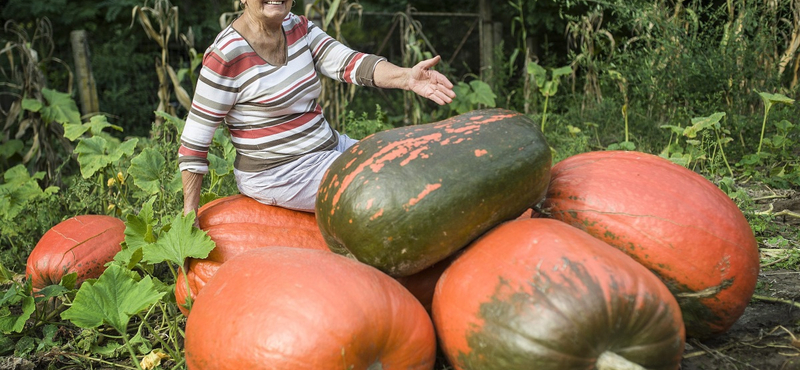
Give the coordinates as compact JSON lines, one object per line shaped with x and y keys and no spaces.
{"x":487,"y":41}
{"x":87,"y":89}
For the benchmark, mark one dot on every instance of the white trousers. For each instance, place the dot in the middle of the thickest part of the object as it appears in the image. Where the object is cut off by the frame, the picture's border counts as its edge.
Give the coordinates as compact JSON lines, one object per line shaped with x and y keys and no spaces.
{"x":292,"y":185}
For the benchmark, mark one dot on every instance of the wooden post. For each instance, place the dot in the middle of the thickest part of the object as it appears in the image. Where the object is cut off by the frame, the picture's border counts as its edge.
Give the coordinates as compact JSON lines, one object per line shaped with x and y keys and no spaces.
{"x":87,"y":89}
{"x":487,"y":40}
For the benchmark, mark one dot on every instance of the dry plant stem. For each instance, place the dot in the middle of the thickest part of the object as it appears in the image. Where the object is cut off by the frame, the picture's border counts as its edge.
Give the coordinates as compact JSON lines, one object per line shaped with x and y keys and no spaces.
{"x":777,"y":300}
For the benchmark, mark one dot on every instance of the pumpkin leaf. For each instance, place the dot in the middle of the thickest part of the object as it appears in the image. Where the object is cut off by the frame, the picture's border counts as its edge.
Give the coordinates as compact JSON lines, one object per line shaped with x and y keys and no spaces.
{"x":95,"y":126}
{"x":95,"y":153}
{"x":112,"y":299}
{"x":702,"y":123}
{"x":146,"y":170}
{"x":10,"y":322}
{"x":60,"y":107}
{"x":181,"y":241}
{"x":482,"y":93}
{"x":139,"y":231}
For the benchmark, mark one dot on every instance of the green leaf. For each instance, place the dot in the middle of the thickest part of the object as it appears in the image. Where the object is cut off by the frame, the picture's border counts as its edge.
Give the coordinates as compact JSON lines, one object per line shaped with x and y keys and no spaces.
{"x":770,"y":99}
{"x":182,"y":240}
{"x":702,"y":123}
{"x":146,"y":170}
{"x":111,"y":300}
{"x":60,"y":107}
{"x":218,"y":165}
{"x":92,"y":155}
{"x":139,"y":231}
{"x":32,"y":105}
{"x":675,"y":129}
{"x":20,"y":189}
{"x":482,"y":93}
{"x":10,"y":323}
{"x":72,"y":131}
{"x":538,"y":72}
{"x":11,"y":147}
{"x":95,"y":126}
{"x":95,"y":153}
{"x":563,"y":71}
{"x":177,"y":122}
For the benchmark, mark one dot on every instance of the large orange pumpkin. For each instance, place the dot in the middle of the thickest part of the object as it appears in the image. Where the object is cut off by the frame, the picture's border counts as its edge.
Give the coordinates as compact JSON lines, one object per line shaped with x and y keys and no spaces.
{"x":237,"y":224}
{"x":291,"y":308}
{"x":81,"y":244}
{"x":541,"y":294}
{"x":672,"y":220}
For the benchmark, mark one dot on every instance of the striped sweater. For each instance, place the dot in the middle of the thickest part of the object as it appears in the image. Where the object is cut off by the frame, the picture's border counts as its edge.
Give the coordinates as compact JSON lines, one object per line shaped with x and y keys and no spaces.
{"x":271,"y":112}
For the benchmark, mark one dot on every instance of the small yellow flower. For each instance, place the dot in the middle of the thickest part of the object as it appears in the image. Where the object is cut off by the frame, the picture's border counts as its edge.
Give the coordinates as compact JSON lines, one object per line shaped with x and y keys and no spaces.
{"x":111,"y":182}
{"x":121,"y":178}
{"x":112,"y":206}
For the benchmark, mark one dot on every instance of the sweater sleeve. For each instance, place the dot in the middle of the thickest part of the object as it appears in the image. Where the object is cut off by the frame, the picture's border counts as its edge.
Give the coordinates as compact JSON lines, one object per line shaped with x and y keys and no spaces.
{"x":214,"y":96}
{"x":337,"y":61}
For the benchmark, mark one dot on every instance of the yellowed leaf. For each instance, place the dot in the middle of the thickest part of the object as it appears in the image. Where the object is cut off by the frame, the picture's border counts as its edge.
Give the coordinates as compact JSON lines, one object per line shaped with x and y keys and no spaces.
{"x":152,"y":359}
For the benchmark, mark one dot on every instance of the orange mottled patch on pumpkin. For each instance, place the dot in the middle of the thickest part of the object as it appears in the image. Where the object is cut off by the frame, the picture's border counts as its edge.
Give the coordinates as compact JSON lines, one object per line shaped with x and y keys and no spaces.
{"x":428,"y":189}
{"x":480,"y":152}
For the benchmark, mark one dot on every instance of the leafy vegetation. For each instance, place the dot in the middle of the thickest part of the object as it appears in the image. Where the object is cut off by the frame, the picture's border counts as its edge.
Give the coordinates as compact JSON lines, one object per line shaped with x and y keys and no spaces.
{"x":711,"y":86}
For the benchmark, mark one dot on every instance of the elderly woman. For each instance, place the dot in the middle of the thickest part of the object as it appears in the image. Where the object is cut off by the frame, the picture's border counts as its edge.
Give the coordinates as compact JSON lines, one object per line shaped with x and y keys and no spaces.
{"x":261,"y":76}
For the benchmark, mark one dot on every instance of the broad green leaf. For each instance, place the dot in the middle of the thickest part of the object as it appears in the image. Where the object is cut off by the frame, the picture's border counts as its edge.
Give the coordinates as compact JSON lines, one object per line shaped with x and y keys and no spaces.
{"x":538,"y":72}
{"x":112,"y":299}
{"x":770,"y":99}
{"x":10,"y":323}
{"x":702,"y":123}
{"x":182,"y":240}
{"x":95,"y":153}
{"x":482,"y":93}
{"x":32,"y":105}
{"x":95,"y":126}
{"x":11,"y":147}
{"x":176,"y":184}
{"x":51,"y":291}
{"x":461,"y":104}
{"x":92,"y":155}
{"x":139,"y":231}
{"x":19,"y":189}
{"x":73,"y":131}
{"x":60,"y":108}
{"x":675,"y":129}
{"x":563,"y":71}
{"x":146,"y":170}
{"x":218,"y":165}
{"x":179,"y":123}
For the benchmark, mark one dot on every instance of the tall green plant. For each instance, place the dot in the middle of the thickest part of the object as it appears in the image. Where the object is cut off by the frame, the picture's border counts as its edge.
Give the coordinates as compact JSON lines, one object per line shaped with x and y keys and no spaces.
{"x":32,"y":128}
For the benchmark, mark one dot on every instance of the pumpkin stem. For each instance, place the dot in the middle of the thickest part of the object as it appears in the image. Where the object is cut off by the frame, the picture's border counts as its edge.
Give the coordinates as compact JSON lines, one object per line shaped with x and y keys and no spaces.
{"x":611,"y":361}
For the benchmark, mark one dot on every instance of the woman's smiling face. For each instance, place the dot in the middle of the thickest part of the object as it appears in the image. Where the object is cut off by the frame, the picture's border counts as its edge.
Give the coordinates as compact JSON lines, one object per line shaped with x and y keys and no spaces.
{"x":272,"y":10}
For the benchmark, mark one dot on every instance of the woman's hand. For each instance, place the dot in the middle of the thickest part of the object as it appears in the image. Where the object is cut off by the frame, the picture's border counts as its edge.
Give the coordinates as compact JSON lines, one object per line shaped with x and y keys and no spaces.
{"x":420,"y":79}
{"x":429,"y":83}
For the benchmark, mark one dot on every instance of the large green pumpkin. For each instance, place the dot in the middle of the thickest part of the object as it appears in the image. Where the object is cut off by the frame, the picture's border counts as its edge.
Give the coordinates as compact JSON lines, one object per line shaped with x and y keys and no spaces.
{"x":404,"y":199}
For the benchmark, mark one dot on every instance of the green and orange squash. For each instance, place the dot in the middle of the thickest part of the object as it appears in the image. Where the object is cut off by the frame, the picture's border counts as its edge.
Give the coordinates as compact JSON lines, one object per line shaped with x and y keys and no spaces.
{"x":403,"y":199}
{"x":670,"y":219}
{"x":540,"y":294}
{"x":82,"y":244}
{"x":292,"y":308}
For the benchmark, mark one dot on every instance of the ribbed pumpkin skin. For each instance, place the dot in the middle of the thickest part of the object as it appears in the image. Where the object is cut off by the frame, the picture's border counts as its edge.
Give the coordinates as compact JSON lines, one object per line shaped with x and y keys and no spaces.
{"x":290,"y":308}
{"x":671,"y":220}
{"x":404,"y":199}
{"x":81,"y":244}
{"x":238,"y":224}
{"x":541,"y":294}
